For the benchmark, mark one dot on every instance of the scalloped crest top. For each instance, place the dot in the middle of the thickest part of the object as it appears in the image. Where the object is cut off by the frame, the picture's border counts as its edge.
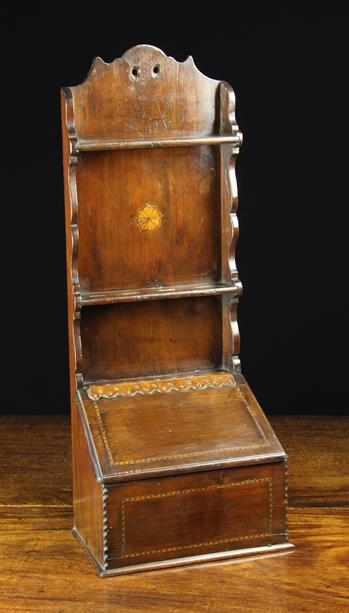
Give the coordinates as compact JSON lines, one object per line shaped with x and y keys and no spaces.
{"x":144,"y":94}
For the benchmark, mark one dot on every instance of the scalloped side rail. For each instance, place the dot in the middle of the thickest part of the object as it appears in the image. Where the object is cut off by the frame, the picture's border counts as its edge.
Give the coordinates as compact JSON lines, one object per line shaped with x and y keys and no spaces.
{"x":229,"y":154}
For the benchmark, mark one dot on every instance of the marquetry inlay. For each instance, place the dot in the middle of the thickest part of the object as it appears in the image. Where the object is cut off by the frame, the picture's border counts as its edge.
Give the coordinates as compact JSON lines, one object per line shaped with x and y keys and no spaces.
{"x":161,"y":386}
{"x":149,"y":218}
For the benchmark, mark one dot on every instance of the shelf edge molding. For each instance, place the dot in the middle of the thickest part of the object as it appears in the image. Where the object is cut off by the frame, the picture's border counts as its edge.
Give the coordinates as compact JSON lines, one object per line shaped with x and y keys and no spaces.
{"x":140,"y":295}
{"x":94,"y":144}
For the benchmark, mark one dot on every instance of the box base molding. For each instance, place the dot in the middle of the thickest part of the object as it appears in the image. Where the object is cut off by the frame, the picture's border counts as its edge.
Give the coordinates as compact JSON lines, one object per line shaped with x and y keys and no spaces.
{"x":245,"y":553}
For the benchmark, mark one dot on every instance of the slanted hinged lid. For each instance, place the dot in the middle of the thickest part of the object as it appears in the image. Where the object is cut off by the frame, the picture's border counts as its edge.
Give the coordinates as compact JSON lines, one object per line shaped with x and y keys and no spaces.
{"x":141,"y":429}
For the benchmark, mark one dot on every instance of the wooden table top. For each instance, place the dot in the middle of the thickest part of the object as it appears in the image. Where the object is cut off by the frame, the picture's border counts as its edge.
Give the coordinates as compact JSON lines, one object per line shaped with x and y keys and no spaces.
{"x":43,"y":568}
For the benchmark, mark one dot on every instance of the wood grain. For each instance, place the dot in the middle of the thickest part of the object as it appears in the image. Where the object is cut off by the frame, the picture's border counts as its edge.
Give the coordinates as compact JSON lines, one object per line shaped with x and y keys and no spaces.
{"x":42,"y":568}
{"x":319,"y":452}
{"x":151,"y":339}
{"x":26,"y":444}
{"x":113,"y":252}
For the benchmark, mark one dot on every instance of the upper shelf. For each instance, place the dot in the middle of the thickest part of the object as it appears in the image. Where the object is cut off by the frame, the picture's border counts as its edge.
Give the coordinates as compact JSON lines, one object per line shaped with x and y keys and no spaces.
{"x":158,"y":293}
{"x":105,"y":144}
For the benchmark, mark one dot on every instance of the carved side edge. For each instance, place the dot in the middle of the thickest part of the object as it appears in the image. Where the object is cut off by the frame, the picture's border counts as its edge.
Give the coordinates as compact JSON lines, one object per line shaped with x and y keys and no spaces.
{"x":286,"y":498}
{"x":105,"y":530}
{"x":235,"y":335}
{"x":72,"y":234}
{"x":230,"y":230}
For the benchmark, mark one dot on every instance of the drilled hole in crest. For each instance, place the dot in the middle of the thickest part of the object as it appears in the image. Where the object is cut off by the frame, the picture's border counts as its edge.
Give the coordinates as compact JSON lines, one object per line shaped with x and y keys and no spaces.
{"x":156,"y":71}
{"x":135,"y":72}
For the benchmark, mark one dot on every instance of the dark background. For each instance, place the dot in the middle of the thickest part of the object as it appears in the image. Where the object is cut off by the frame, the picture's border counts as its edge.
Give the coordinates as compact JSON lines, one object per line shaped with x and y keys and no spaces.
{"x":289,"y":71}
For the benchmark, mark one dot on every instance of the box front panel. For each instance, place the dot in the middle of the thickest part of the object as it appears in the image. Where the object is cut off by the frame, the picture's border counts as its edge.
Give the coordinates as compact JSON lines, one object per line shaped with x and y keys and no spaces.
{"x":188,"y":515}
